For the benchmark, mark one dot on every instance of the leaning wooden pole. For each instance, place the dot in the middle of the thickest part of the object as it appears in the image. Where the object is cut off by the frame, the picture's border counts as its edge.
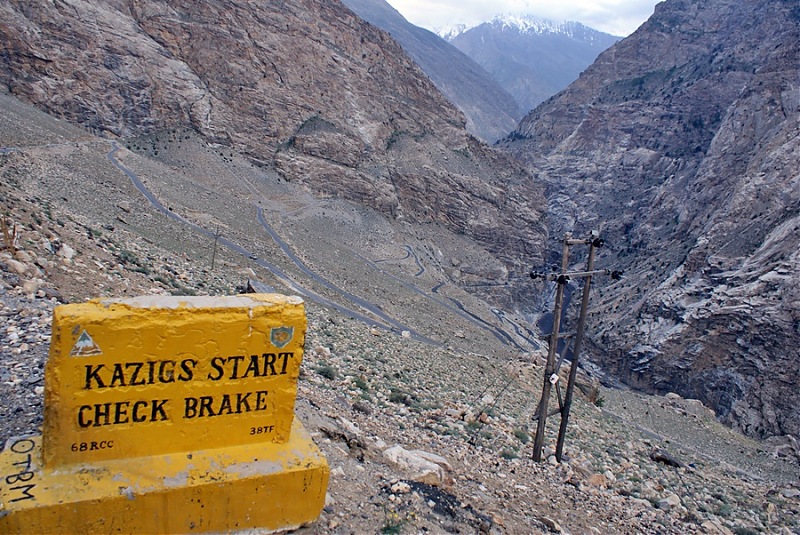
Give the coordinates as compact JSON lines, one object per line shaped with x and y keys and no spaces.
{"x":576,"y":350}
{"x":551,"y":354}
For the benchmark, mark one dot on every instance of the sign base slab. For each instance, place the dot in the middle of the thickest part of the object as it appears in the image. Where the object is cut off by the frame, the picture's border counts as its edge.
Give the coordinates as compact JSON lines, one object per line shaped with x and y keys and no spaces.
{"x":254,"y":488}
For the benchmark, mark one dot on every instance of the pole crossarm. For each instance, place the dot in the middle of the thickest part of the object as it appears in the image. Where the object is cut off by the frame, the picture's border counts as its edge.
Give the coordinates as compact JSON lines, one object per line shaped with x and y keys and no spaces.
{"x":563,"y":278}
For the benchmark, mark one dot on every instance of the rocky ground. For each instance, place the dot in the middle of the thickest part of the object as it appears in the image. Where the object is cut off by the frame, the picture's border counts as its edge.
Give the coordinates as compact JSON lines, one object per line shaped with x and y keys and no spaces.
{"x":370,"y":397}
{"x":420,"y":438}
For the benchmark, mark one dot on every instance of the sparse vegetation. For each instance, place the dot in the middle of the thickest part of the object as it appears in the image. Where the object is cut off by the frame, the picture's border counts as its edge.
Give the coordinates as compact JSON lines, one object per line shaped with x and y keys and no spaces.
{"x":361,"y":383}
{"x":509,"y":454}
{"x":522,"y":435}
{"x":327,"y":371}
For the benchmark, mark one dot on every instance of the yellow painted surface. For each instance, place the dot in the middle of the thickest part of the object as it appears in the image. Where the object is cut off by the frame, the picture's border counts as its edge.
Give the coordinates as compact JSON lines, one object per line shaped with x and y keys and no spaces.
{"x":265,"y":487}
{"x":155,"y":375}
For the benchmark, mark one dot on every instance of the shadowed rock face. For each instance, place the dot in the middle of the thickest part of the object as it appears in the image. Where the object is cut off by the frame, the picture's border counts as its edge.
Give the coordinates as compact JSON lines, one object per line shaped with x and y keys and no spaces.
{"x":304,"y":86}
{"x":682,"y":143}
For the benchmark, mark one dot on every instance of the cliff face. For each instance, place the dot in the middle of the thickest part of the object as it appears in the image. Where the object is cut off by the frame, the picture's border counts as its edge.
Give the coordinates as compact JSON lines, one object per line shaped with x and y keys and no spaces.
{"x":303,"y":85}
{"x":682,"y":143}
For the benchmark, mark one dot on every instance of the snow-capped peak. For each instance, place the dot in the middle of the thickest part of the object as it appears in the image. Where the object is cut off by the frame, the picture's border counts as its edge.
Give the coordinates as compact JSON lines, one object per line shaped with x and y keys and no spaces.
{"x":520,"y":22}
{"x":452,"y":31}
{"x":531,"y":24}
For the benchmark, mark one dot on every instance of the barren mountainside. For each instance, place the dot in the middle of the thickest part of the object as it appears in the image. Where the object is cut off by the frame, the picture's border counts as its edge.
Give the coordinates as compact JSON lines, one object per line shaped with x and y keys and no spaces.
{"x":217,"y":147}
{"x":681,"y":142}
{"x":490,"y":110}
{"x":367,"y":393}
{"x":328,"y":100}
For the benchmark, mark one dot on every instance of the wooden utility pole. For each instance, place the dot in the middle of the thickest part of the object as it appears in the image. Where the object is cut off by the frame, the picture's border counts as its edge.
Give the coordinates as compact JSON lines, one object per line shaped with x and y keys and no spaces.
{"x":551,"y":370}
{"x":214,"y":254}
{"x":576,"y":348}
{"x":551,"y":354}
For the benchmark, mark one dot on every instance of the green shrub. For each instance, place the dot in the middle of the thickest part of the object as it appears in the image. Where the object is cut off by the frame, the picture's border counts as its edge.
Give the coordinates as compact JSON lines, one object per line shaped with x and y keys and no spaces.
{"x":522,"y":435}
{"x":509,"y":454}
{"x":327,"y":371}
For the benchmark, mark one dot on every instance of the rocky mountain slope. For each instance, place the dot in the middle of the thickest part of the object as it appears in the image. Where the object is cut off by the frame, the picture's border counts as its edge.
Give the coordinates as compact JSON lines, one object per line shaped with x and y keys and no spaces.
{"x":490,"y":110}
{"x":193,"y":147}
{"x":681,"y":142}
{"x":327,"y":100}
{"x":80,"y":225}
{"x":530,"y":58}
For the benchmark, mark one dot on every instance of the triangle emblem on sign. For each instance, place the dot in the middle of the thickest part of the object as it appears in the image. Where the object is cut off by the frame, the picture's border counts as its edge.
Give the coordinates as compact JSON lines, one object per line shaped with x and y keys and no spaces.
{"x":85,"y":346}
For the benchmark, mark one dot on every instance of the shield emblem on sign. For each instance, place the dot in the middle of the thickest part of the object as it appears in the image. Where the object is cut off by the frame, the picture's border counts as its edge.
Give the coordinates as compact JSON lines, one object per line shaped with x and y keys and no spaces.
{"x":280,"y":336}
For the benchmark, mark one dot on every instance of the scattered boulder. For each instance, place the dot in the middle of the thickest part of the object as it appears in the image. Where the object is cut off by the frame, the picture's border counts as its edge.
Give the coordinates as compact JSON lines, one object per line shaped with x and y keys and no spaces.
{"x":669,"y":503}
{"x":662,"y":456}
{"x":66,"y":252}
{"x":598,"y":480}
{"x":16,"y":266}
{"x":420,"y":466}
{"x":551,"y":524}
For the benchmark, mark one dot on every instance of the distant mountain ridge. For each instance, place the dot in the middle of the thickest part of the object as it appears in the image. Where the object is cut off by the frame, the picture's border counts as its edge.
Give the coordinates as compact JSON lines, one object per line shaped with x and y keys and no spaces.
{"x":530,"y":57}
{"x":490,"y":110}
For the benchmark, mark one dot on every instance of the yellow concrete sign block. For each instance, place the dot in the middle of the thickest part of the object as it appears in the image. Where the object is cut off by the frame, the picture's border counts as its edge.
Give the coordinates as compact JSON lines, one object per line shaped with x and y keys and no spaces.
{"x":155,"y":375}
{"x":269,"y":487}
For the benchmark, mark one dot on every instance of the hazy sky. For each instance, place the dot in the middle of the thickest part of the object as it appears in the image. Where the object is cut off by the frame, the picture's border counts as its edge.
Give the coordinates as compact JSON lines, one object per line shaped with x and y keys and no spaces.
{"x":617,"y":17}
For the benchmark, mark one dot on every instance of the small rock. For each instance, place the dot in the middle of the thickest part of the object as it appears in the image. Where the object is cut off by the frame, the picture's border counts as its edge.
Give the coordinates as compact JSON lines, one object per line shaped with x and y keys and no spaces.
{"x":639,"y":501}
{"x":663,"y":456}
{"x":550,"y":524}
{"x":715,"y":528}
{"x":337,"y":472}
{"x":322,"y":352}
{"x":670,"y":502}
{"x":66,"y":252}
{"x":52,"y":293}
{"x":361,"y":407}
{"x":30,"y":287}
{"x":401,"y":487}
{"x":23,"y":256}
{"x":597,"y":480}
{"x":18,"y":267}
{"x":790,"y":493}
